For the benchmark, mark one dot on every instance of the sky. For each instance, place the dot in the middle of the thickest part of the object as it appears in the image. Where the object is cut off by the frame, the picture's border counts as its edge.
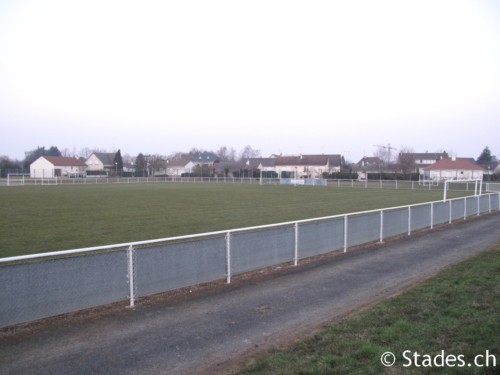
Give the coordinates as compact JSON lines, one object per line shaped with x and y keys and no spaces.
{"x":289,"y":77}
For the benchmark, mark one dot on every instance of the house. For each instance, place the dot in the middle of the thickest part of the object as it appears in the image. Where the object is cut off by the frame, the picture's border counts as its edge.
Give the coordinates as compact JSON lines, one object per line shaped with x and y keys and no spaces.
{"x":369,"y":164}
{"x":129,"y":168}
{"x":101,"y":163}
{"x":249,"y":167}
{"x":205,"y":157}
{"x":155,"y":165}
{"x":265,"y":166}
{"x":57,"y":166}
{"x":203,"y":163}
{"x":307,"y":166}
{"x":454,"y":169}
{"x":231,"y":169}
{"x":422,"y":160}
{"x":179,"y":167}
{"x":491,"y":170}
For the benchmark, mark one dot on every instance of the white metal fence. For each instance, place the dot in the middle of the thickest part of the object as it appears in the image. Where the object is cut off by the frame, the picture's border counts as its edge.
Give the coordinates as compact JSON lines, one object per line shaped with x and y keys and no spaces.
{"x":365,"y":184}
{"x":43,"y":285}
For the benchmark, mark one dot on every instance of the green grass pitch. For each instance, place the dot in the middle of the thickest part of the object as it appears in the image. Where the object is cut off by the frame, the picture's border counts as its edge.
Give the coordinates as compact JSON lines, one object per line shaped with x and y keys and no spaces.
{"x":38,"y":219}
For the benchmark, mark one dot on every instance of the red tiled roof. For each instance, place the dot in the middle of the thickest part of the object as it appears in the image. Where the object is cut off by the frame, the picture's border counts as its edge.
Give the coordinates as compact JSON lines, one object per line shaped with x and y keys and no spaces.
{"x":61,"y":161}
{"x":452,"y":164}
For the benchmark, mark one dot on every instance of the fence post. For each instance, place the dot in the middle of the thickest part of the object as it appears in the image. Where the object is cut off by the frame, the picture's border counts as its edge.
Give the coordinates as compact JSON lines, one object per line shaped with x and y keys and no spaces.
{"x":465,"y":208}
{"x":228,"y":257}
{"x":345,"y":233}
{"x":478,"y":204}
{"x":449,"y":221}
{"x":409,"y":220}
{"x":130,"y":261}
{"x":381,"y":226}
{"x":296,"y":250}
{"x":432,"y":215}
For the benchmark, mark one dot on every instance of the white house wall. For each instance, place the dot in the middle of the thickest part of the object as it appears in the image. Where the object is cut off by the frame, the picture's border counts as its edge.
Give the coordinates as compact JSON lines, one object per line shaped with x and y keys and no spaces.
{"x":94,"y":164}
{"x":178,"y":170}
{"x":42,"y":168}
{"x":456,"y":174}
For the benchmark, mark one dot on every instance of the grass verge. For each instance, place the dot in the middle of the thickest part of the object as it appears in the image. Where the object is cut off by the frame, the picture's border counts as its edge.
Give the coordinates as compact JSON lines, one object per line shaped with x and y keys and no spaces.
{"x":455,"y":313}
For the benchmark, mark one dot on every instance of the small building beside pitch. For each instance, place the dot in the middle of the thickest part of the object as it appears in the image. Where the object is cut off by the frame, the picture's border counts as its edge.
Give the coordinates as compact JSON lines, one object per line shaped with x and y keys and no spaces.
{"x":57,"y":166}
{"x":454,"y":169}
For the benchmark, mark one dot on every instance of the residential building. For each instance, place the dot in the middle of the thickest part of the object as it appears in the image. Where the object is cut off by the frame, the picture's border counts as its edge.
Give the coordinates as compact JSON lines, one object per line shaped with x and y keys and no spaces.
{"x":307,"y":166}
{"x":422,"y":160}
{"x":101,"y":163}
{"x":231,"y":169}
{"x":265,"y":165}
{"x":203,"y":164}
{"x":129,"y":168}
{"x":491,"y":170}
{"x":369,"y":164}
{"x":57,"y":166}
{"x":454,"y":169}
{"x":205,"y":157}
{"x":179,"y":167}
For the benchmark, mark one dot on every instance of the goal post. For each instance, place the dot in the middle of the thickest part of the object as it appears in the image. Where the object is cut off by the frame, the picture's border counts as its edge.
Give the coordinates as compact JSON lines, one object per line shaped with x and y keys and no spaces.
{"x":423,"y":181}
{"x":478,"y":186}
{"x":16,"y":178}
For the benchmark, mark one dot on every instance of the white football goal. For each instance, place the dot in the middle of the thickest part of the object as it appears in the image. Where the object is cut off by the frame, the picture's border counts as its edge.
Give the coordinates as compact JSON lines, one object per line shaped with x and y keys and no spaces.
{"x":468,"y":185}
{"x":16,"y":179}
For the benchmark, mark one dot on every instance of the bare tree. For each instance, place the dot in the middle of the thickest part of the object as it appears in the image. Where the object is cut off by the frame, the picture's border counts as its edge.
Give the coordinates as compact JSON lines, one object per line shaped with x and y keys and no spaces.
{"x":179,"y":156}
{"x":406,"y":161}
{"x":195,"y":151}
{"x":385,"y":153}
{"x":85,"y":152}
{"x":249,"y":152}
{"x":66,"y":152}
{"x":155,"y":163}
{"x":232,"y":154}
{"x":222,"y":153}
{"x":226,"y":154}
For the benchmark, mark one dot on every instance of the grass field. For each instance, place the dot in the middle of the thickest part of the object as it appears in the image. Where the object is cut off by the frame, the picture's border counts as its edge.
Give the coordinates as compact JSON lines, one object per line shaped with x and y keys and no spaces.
{"x":456,"y":311}
{"x":38,"y":219}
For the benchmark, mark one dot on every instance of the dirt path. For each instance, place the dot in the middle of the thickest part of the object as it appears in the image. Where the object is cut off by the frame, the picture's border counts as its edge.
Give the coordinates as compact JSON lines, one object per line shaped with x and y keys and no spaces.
{"x":215,"y":330}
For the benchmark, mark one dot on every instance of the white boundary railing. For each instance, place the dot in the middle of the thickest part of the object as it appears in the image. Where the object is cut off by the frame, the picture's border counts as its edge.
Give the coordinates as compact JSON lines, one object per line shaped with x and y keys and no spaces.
{"x":281,"y":244}
{"x":366,"y":184}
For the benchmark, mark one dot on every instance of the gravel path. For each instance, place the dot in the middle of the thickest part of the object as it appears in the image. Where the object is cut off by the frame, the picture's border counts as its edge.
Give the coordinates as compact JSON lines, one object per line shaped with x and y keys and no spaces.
{"x":211,"y":332}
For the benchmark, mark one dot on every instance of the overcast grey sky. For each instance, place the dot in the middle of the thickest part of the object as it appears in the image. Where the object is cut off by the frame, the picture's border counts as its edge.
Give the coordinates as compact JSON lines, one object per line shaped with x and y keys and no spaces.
{"x":282,"y":76}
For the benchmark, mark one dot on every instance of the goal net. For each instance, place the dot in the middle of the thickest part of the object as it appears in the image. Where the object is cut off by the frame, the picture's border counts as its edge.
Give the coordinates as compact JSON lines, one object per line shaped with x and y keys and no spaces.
{"x":471,"y":186}
{"x":14,"y":179}
{"x":423,"y":181}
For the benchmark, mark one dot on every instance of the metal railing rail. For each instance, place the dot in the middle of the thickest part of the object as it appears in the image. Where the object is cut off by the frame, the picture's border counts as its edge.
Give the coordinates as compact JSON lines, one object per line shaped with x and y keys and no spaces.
{"x":353,"y":183}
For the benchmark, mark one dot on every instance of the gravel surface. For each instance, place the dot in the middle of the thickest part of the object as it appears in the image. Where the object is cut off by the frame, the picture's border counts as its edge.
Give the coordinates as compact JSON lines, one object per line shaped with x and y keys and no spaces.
{"x":214,"y":328}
